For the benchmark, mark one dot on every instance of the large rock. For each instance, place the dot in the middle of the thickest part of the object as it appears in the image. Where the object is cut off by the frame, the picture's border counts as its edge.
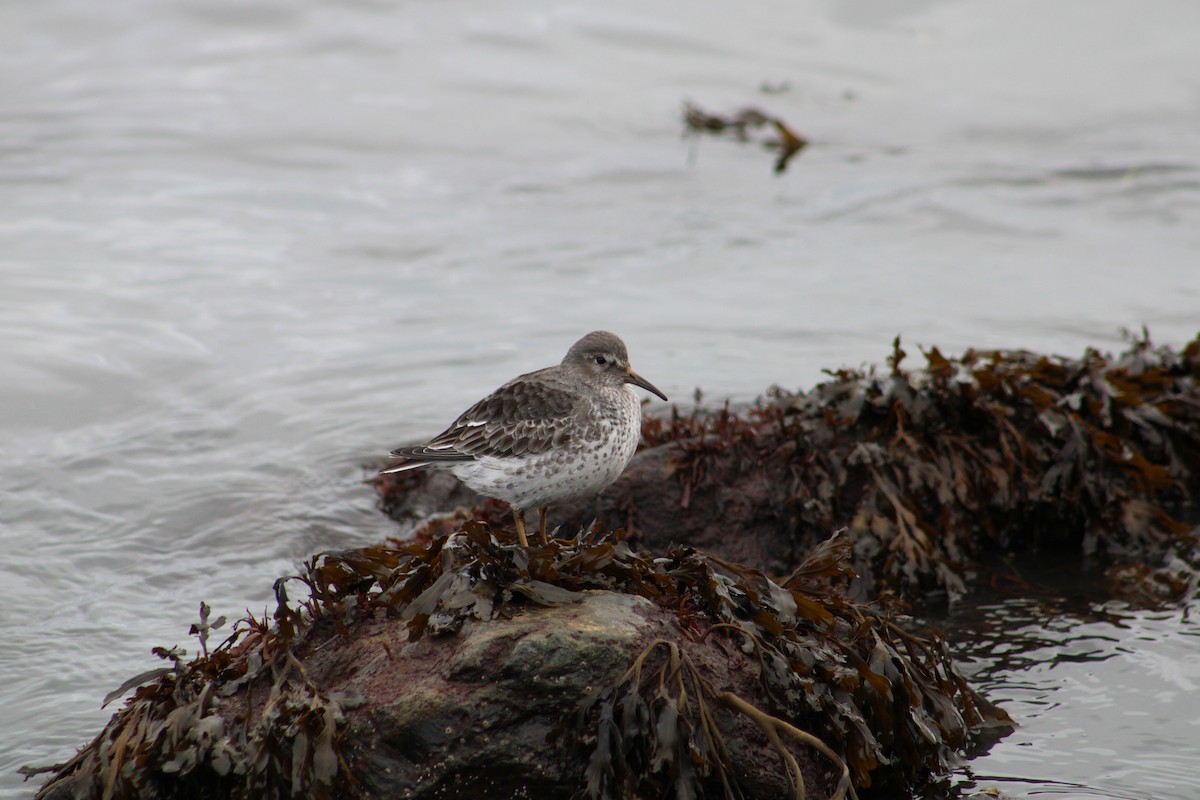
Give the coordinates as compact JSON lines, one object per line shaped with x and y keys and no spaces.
{"x":476,"y":713}
{"x":486,"y":713}
{"x":475,"y":667}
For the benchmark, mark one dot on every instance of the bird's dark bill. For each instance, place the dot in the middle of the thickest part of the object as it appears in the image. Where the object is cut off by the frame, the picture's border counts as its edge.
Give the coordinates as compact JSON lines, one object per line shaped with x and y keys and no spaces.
{"x":638,"y":380}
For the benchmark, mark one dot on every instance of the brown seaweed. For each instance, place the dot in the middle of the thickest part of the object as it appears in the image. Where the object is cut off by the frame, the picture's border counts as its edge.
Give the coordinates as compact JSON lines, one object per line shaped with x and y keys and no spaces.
{"x":889,"y":706}
{"x":933,"y":469}
{"x":740,"y":124}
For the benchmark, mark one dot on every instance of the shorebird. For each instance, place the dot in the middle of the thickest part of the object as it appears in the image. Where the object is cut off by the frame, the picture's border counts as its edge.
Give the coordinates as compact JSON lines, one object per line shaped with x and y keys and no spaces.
{"x":547,"y":437}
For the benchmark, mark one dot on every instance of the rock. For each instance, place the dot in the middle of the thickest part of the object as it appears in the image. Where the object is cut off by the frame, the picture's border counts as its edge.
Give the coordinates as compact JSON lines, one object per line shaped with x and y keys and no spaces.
{"x":481,"y":713}
{"x":474,"y":714}
{"x":478,"y":668}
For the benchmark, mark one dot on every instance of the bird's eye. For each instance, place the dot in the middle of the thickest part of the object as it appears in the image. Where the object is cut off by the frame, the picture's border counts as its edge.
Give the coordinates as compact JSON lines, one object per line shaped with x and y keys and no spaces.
{"x":601,"y":360}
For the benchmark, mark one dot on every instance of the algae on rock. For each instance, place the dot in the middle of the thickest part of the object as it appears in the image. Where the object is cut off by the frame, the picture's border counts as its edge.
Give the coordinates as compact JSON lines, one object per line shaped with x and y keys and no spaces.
{"x":475,"y":667}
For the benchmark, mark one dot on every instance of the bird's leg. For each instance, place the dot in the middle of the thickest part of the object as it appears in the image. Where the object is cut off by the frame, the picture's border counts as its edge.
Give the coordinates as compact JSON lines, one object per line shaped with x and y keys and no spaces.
{"x":542,"y":523}
{"x":519,"y":518}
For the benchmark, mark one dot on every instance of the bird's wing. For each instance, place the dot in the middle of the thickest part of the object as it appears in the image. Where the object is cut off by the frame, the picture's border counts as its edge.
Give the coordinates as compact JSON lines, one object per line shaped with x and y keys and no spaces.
{"x":519,"y":418}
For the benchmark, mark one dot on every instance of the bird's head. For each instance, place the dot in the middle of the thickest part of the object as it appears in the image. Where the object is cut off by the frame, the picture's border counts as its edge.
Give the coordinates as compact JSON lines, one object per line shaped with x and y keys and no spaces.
{"x":602,"y":357}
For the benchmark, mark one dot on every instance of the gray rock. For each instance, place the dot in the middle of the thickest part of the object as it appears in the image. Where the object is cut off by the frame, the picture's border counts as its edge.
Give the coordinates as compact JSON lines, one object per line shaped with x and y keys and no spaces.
{"x":475,"y":714}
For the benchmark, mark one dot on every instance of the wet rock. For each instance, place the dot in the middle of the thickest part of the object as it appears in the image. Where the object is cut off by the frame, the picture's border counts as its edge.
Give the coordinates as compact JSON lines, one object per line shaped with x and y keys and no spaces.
{"x":474,"y":715}
{"x":481,"y":714}
{"x":474,"y":667}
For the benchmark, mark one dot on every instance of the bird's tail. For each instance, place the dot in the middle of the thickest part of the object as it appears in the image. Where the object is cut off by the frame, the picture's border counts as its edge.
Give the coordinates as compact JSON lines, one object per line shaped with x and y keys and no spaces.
{"x":404,"y":466}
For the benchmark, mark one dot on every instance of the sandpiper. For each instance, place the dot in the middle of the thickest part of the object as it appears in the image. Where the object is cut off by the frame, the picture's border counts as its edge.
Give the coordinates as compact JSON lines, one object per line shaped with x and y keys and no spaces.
{"x":546,"y":437}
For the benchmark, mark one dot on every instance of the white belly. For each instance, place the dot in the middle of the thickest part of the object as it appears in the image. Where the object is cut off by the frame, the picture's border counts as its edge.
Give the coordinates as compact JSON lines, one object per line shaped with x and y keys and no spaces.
{"x":590,"y":461}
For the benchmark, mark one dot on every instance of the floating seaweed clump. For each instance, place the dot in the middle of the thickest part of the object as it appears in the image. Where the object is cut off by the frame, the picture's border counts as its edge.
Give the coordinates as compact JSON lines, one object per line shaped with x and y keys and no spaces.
{"x":740,"y":125}
{"x":881,"y":705}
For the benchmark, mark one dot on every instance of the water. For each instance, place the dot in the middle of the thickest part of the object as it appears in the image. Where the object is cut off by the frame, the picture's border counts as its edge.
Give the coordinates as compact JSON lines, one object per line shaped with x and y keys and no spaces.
{"x":1107,"y":698}
{"x":246,"y":247}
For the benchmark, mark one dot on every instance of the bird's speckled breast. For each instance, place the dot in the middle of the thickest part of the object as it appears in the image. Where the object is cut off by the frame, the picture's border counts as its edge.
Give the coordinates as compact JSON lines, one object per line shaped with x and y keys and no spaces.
{"x":601,"y":440}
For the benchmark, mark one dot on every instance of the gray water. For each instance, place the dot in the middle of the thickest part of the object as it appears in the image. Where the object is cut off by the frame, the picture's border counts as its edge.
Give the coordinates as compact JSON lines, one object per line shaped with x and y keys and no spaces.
{"x":1105,"y":695}
{"x":246,"y":247}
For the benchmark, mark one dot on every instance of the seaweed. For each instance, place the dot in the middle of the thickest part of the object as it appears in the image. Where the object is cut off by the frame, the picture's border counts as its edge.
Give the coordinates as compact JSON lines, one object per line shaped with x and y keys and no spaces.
{"x":740,"y":124}
{"x":169,"y":741}
{"x":675,"y":732}
{"x":699,"y":438}
{"x":882,"y":705}
{"x":1018,"y":450}
{"x":934,"y":469}
{"x":892,"y":701}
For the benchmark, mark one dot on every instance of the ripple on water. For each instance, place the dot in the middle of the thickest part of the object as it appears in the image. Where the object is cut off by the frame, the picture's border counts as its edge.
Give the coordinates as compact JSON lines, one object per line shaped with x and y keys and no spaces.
{"x":1098,"y":690}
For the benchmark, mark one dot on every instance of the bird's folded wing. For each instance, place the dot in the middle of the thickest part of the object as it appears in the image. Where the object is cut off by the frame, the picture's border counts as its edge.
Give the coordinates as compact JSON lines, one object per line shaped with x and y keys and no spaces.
{"x":517,"y":419}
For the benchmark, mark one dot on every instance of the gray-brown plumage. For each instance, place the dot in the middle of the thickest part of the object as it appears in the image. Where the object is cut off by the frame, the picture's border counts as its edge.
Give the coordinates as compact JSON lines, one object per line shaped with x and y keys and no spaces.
{"x":546,"y":437}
